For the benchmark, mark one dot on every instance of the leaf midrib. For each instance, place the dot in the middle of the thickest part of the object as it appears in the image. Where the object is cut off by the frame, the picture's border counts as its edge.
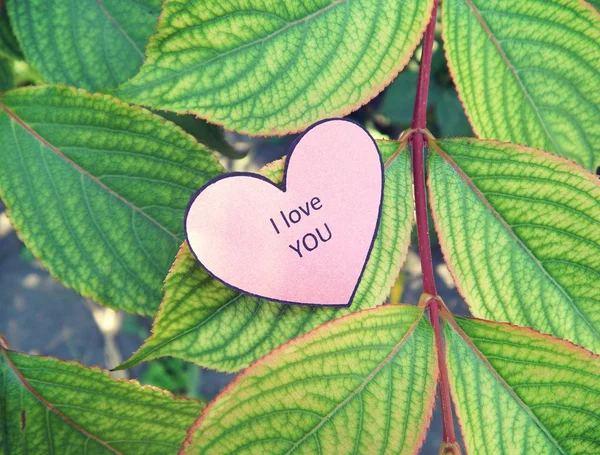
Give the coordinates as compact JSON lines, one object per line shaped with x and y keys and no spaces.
{"x":249,"y":44}
{"x":361,"y":386}
{"x":119,"y":28}
{"x":47,"y":405}
{"x":506,"y":226}
{"x":81,"y":170}
{"x":145,"y":354}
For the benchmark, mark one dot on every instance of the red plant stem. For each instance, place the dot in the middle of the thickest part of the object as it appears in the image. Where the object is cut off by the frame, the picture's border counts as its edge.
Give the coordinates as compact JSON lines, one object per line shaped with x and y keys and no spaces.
{"x":421,"y":211}
{"x":419,"y":122}
{"x":448,"y":434}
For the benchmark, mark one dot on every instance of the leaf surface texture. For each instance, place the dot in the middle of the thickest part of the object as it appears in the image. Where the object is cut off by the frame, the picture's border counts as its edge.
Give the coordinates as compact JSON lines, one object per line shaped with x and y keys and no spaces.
{"x":520,"y":392}
{"x":97,"y":190}
{"x":364,"y":383}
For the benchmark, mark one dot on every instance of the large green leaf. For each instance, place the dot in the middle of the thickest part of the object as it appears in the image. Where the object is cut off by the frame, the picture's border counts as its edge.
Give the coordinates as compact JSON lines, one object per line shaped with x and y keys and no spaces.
{"x":91,"y":44}
{"x":520,"y":230}
{"x":519,"y":392}
{"x":50,"y":406}
{"x":364,"y":383}
{"x":97,"y":190}
{"x":275,"y":66}
{"x":203,"y":321}
{"x":527,"y":72}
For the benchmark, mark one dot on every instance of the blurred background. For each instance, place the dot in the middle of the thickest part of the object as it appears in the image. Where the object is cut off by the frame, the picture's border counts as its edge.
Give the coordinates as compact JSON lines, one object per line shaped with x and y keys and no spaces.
{"x":38,"y":315}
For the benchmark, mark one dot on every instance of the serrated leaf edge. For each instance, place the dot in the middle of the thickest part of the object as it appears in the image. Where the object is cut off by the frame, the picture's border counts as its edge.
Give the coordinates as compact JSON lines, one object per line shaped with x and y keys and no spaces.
{"x":273,"y":165}
{"x":454,"y":79}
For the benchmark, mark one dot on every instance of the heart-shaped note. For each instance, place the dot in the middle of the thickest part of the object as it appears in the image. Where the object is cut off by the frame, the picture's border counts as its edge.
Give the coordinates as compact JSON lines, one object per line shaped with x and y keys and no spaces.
{"x":306,"y":242}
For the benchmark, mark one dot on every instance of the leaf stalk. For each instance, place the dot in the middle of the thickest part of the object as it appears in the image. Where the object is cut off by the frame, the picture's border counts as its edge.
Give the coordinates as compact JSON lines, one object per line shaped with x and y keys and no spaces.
{"x":417,"y":138}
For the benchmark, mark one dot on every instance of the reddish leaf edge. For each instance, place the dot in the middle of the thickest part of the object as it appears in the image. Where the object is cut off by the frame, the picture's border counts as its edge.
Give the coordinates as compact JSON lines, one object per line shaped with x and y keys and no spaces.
{"x":307,"y":336}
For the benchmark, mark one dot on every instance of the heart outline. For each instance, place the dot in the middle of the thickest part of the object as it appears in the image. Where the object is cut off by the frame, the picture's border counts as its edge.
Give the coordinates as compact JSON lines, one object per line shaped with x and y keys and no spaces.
{"x":283,"y":188}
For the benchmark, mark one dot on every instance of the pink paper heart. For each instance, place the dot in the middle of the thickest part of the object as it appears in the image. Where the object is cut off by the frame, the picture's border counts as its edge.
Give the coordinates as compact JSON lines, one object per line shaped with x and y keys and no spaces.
{"x":306,"y":242}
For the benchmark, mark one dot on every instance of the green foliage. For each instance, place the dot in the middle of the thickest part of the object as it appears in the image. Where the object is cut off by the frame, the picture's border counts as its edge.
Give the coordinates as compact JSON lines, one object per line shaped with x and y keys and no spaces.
{"x":450,"y":116}
{"x":594,"y":3}
{"x":288,"y":64}
{"x":527,"y":72}
{"x":520,"y":232}
{"x":361,"y":384}
{"x":446,"y":115}
{"x":399,"y":98}
{"x":206,"y":133}
{"x":517,"y":391}
{"x":90,"y":44}
{"x":97,"y":190}
{"x":51,"y":406}
{"x":7,"y":78}
{"x":25,"y":75}
{"x":203,"y":321}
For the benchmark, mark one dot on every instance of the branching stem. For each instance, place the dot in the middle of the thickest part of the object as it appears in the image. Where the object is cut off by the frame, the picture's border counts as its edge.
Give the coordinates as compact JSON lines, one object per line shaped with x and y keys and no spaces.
{"x":419,"y":123}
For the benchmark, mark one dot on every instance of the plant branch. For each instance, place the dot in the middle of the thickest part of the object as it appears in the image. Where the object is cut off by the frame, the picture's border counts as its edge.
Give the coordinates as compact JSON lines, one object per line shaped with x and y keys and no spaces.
{"x":419,"y":123}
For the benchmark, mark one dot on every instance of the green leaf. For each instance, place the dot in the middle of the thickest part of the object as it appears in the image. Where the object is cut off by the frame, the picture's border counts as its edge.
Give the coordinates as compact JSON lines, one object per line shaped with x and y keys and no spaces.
{"x":450,"y":115}
{"x":399,"y":98}
{"x":517,"y":391}
{"x":527,"y":72}
{"x":275,"y":66}
{"x":9,"y":48}
{"x":203,"y":321}
{"x":97,"y":190}
{"x":364,"y":383}
{"x":91,"y":44}
{"x":52,"y":406}
{"x":7,"y":78}
{"x":520,"y":231}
